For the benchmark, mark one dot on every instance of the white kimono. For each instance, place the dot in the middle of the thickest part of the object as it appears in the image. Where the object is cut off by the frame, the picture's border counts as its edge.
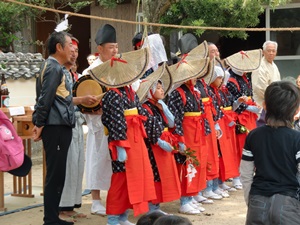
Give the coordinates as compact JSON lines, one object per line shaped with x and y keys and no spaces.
{"x":71,"y":194}
{"x":98,"y":161}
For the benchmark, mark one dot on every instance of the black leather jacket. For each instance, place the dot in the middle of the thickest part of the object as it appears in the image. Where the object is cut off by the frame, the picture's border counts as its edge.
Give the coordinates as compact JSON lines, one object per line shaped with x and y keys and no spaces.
{"x":54,"y":104}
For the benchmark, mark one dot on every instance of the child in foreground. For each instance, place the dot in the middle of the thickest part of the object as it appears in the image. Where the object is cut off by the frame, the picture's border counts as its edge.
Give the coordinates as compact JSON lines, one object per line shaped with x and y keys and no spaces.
{"x":272,"y":152}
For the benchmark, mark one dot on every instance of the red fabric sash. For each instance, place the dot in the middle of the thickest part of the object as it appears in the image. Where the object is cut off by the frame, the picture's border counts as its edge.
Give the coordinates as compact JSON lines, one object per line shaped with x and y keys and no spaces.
{"x":212,"y":166}
{"x":169,"y":189}
{"x":232,"y":116}
{"x":228,"y":166}
{"x":248,"y":119}
{"x":240,"y":142}
{"x":192,"y":135}
{"x":117,"y":201}
{"x":140,"y":181}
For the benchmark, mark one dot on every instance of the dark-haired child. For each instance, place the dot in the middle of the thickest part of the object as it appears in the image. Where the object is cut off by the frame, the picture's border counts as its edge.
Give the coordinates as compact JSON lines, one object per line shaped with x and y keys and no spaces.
{"x":272,"y":152}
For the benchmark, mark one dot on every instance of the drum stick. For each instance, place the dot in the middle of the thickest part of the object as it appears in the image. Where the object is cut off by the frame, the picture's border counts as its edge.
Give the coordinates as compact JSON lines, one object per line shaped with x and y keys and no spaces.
{"x":99,"y":97}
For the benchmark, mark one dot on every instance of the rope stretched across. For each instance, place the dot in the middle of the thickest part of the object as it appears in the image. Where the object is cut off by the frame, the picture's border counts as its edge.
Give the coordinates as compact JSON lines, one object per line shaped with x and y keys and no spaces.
{"x":153,"y":24}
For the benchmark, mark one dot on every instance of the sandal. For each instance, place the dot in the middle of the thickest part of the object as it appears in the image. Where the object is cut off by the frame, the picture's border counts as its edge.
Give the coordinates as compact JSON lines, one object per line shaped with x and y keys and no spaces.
{"x":67,"y":218}
{"x":74,"y":214}
{"x":79,"y":215}
{"x":238,"y":187}
{"x":188,"y":210}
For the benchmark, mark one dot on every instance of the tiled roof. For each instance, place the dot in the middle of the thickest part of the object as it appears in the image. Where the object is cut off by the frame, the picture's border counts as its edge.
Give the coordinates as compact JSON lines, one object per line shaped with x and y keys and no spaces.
{"x":20,"y":65}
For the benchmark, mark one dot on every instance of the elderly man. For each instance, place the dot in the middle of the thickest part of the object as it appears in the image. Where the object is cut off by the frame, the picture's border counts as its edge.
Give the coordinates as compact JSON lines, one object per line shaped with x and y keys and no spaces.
{"x":265,"y":75}
{"x":267,"y":72}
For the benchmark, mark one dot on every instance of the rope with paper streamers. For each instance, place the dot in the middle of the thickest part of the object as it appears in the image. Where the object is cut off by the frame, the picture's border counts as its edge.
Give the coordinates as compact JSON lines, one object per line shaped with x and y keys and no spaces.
{"x":154,"y":24}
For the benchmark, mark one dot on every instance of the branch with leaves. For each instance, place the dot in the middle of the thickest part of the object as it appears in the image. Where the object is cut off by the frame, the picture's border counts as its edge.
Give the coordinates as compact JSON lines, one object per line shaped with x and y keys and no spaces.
{"x":190,"y":154}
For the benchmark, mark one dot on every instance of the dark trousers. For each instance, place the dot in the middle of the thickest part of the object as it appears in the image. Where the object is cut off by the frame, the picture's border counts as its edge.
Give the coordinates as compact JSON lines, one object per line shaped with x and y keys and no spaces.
{"x":56,"y":141}
{"x":275,"y":210}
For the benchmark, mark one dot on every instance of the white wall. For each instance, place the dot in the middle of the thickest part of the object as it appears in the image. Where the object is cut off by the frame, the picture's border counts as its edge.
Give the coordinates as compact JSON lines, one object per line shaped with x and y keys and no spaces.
{"x":21,"y":92}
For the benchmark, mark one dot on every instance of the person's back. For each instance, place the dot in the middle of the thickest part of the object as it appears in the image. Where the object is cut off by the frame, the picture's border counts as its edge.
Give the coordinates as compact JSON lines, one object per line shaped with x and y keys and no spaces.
{"x":275,"y":153}
{"x":272,"y":152}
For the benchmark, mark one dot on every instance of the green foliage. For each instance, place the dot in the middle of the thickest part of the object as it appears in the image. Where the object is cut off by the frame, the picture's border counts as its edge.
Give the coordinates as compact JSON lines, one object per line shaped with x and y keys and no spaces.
{"x":12,"y":21}
{"x":108,"y":3}
{"x":273,"y":3}
{"x":77,"y":6}
{"x":215,"y":13}
{"x":191,"y":155}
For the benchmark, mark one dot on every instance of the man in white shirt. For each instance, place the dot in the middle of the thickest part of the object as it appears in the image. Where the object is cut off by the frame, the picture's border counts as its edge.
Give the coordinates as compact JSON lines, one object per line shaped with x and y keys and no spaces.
{"x":265,"y":75}
{"x":98,"y":162}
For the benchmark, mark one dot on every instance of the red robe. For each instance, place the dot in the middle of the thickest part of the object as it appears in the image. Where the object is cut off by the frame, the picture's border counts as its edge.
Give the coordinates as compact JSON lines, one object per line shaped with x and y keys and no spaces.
{"x":248,"y":119}
{"x":193,"y":136}
{"x":135,"y":187}
{"x":212,"y":171}
{"x":228,"y":161}
{"x":168,"y":189}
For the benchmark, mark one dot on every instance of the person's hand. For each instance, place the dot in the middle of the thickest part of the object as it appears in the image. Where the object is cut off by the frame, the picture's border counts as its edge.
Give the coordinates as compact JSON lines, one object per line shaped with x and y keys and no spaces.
{"x":218,"y":133}
{"x":164,"y":145}
{"x":89,"y":100}
{"x":243,"y":99}
{"x":218,"y":130}
{"x":37,"y":132}
{"x":231,"y":124}
{"x":122,"y":156}
{"x":182,"y":147}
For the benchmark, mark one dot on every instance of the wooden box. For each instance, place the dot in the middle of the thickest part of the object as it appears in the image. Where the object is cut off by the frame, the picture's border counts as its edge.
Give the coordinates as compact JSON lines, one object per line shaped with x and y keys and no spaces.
{"x":23,"y":125}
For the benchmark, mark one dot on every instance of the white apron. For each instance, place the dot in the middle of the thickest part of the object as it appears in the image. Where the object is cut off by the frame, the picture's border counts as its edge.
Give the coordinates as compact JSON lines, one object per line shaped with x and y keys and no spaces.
{"x":98,"y":161}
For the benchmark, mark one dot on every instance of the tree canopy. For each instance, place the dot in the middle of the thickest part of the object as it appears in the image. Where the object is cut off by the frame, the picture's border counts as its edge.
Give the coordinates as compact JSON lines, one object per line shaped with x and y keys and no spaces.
{"x":13,"y":17}
{"x":11,"y":21}
{"x":217,"y":13}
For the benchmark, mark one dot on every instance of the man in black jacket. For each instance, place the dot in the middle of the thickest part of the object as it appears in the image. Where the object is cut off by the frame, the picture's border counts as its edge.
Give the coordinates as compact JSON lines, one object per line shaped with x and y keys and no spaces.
{"x":54,"y":119}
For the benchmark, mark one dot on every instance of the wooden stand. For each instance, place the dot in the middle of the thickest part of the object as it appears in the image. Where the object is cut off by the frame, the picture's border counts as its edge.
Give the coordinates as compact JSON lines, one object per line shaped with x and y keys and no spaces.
{"x":22,"y":186}
{"x":2,"y":208}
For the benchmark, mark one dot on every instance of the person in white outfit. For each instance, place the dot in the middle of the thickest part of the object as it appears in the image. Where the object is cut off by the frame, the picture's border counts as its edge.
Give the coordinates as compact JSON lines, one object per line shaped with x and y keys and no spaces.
{"x":265,"y":75}
{"x":98,"y":161}
{"x":90,"y":59}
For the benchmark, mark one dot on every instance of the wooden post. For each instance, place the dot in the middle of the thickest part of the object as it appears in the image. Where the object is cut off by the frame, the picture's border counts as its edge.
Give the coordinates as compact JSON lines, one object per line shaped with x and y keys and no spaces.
{"x":2,"y":208}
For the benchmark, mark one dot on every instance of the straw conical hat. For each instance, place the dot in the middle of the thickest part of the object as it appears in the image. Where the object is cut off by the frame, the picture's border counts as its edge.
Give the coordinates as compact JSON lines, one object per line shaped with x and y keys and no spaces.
{"x":245,"y":61}
{"x":209,"y":71}
{"x":201,"y":51}
{"x":186,"y":70}
{"x":167,"y":80}
{"x":162,"y":74}
{"x":122,"y":70}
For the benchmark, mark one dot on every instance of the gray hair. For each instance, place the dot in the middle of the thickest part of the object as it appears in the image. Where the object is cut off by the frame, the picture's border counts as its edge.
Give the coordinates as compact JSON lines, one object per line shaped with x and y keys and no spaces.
{"x":270,"y":43}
